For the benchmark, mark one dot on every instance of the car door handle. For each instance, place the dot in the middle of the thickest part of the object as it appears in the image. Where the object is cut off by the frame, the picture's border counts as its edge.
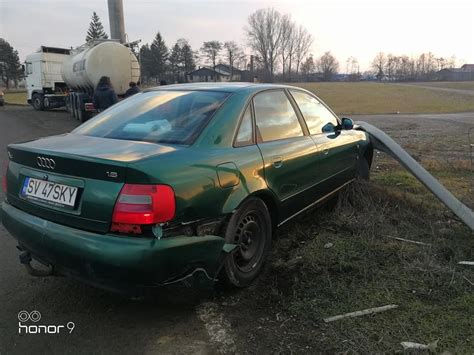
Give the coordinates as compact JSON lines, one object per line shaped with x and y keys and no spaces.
{"x":277,"y":162}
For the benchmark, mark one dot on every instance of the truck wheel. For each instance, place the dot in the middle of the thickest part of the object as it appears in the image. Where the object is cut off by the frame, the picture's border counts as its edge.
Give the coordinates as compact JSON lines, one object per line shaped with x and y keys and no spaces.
{"x":82,"y":115}
{"x":68,"y":104}
{"x":37,"y":101}
{"x":251,"y":229}
{"x":74,"y":106}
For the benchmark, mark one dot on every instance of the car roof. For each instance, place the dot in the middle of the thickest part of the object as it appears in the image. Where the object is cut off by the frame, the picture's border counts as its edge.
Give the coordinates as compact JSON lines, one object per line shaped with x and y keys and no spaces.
{"x":223,"y":87}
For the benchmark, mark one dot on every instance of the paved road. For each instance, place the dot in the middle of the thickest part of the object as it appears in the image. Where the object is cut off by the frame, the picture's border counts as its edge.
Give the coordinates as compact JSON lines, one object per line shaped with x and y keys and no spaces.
{"x":439,"y":88}
{"x":104,"y":322}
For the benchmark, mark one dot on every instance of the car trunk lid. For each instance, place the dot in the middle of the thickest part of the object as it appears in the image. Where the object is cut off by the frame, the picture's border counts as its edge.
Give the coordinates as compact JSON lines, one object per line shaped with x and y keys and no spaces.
{"x":92,"y":169}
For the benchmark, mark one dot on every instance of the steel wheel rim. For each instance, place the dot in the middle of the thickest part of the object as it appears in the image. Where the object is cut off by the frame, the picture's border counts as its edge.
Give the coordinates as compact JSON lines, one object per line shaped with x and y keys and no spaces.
{"x":250,"y":238}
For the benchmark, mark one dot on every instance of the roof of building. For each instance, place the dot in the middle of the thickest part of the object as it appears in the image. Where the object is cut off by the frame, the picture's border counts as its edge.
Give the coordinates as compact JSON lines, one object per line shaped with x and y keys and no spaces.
{"x":226,"y":68}
{"x":468,"y":67}
{"x":220,"y":86}
{"x":206,"y":72}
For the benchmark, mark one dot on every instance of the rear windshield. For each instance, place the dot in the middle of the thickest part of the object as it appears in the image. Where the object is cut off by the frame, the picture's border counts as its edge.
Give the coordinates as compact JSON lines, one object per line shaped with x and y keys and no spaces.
{"x":174,"y":117}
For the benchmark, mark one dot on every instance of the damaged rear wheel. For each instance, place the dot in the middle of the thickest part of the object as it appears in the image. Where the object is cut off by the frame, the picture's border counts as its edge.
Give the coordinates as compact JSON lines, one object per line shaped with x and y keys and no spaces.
{"x":250,"y":228}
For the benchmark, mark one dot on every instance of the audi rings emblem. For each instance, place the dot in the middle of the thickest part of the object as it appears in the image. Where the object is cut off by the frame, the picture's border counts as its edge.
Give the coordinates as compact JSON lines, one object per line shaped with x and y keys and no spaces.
{"x":47,"y":163}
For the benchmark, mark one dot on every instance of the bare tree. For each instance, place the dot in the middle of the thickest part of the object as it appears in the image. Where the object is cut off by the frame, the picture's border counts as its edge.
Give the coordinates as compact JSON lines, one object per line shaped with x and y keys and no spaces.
{"x":353,"y":69}
{"x":327,"y":65}
{"x":378,"y":64}
{"x":233,"y":53}
{"x":303,"y":40}
{"x":264,"y":35}
{"x":287,"y":48}
{"x":211,"y":50}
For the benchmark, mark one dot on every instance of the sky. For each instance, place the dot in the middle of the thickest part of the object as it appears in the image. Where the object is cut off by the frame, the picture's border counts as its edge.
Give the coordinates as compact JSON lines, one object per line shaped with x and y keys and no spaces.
{"x":358,"y":28}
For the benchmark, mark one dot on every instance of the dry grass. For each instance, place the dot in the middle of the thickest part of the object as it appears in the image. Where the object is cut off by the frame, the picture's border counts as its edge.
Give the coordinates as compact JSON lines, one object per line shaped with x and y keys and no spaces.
{"x":307,"y":281}
{"x":371,"y":98}
{"x":15,"y":97}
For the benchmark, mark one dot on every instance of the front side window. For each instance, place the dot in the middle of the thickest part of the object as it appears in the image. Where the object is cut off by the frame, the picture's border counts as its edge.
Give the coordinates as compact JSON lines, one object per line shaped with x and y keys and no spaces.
{"x":318,"y":118}
{"x":274,"y":117}
{"x":174,"y":117}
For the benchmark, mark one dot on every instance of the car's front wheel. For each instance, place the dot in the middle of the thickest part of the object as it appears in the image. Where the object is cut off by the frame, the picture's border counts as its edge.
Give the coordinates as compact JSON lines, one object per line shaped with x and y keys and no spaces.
{"x":250,"y":228}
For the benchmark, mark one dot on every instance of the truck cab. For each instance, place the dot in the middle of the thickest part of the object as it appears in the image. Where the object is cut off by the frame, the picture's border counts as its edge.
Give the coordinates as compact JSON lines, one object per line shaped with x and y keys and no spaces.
{"x":45,"y":85}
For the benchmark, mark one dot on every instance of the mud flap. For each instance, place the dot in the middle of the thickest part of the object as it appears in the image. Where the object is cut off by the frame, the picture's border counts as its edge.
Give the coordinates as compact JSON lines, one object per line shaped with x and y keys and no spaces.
{"x":384,"y":143}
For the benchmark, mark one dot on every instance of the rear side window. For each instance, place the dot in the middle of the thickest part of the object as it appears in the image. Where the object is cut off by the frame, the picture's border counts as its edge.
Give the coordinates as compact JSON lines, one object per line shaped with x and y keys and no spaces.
{"x":175,"y":117}
{"x":274,"y":117}
{"x":318,"y":118}
{"x":245,"y":133}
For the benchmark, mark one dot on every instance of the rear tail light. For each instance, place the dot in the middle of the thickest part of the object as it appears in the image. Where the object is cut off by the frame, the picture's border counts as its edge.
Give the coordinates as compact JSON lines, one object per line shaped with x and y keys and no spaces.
{"x":89,"y":107}
{"x":4,"y":177}
{"x":139,"y":205}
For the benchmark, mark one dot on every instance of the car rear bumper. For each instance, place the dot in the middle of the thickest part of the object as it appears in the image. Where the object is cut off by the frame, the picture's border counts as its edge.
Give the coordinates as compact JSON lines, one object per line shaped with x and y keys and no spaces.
{"x":108,"y":261}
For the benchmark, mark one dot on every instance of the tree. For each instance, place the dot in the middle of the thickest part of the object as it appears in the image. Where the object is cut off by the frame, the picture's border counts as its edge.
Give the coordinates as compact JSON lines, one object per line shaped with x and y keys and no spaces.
{"x":182,"y":60}
{"x":154,"y":58}
{"x":352,"y":69}
{"x":287,"y":48}
{"x":10,"y":67}
{"x":308,"y":66}
{"x":327,"y":65}
{"x":378,"y":64}
{"x":264,"y":35}
{"x":188,"y":56}
{"x":304,"y":40}
{"x":211,"y":50}
{"x":233,"y":53}
{"x":96,"y":29}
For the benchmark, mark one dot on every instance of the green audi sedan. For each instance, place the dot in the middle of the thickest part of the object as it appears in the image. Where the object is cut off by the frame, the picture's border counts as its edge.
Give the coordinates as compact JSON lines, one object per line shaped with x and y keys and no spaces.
{"x":177,"y":183}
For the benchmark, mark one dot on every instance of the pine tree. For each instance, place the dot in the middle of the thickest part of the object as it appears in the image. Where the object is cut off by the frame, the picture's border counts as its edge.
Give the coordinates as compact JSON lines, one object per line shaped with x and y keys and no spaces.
{"x":96,"y":29}
{"x":182,"y":60}
{"x":159,"y":54}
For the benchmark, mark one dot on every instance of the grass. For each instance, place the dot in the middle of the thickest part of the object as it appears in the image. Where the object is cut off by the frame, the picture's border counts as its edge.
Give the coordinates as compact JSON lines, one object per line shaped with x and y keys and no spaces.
{"x":15,"y":97}
{"x":362,"y":268}
{"x":460,"y":85}
{"x":372,"y":98}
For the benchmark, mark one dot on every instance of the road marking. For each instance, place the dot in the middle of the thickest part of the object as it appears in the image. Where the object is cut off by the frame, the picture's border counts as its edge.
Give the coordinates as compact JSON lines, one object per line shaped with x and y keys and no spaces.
{"x":218,"y":328}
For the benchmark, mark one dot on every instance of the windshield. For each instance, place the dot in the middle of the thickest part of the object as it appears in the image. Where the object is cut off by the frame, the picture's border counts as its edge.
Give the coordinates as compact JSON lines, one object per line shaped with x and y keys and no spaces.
{"x":175,"y":117}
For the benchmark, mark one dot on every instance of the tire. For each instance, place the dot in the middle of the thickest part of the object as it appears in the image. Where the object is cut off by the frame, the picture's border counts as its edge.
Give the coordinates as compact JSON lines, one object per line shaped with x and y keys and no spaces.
{"x":251,"y":228}
{"x":37,"y":101}
{"x":73,"y":106}
{"x":81,"y":115}
{"x":68,"y":104}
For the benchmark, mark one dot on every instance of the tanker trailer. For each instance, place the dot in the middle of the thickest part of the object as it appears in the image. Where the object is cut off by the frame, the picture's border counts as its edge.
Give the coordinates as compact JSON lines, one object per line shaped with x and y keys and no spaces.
{"x":83,"y":68}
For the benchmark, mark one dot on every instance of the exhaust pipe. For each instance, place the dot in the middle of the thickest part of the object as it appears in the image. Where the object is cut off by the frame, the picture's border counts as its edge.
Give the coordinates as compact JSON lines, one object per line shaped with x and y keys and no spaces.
{"x":25,"y":259}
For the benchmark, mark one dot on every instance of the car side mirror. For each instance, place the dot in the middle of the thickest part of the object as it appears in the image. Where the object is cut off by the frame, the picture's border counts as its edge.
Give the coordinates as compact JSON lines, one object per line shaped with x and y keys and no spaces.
{"x":347,"y":123}
{"x":328,"y":128}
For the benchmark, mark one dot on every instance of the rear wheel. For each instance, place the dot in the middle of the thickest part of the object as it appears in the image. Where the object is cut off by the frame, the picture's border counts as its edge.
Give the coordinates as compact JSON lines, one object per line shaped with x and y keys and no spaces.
{"x":37,"y":101}
{"x":251,"y":229}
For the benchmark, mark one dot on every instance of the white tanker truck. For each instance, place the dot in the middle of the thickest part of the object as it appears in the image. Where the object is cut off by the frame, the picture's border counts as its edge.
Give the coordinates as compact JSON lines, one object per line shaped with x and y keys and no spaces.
{"x":58,"y":77}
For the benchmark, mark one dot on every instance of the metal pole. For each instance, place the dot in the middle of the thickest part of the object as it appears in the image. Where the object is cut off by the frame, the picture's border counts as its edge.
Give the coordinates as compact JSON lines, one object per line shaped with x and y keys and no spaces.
{"x":117,"y":25}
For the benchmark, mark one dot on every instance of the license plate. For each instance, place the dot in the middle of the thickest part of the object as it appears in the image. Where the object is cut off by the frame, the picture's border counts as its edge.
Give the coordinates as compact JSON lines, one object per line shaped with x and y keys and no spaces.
{"x":49,"y":191}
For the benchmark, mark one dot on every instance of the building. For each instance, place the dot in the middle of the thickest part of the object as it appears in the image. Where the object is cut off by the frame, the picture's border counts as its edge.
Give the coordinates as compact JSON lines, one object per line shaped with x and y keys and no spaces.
{"x":206,"y":74}
{"x":465,"y":73}
{"x":228,"y":70}
{"x":222,"y":72}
